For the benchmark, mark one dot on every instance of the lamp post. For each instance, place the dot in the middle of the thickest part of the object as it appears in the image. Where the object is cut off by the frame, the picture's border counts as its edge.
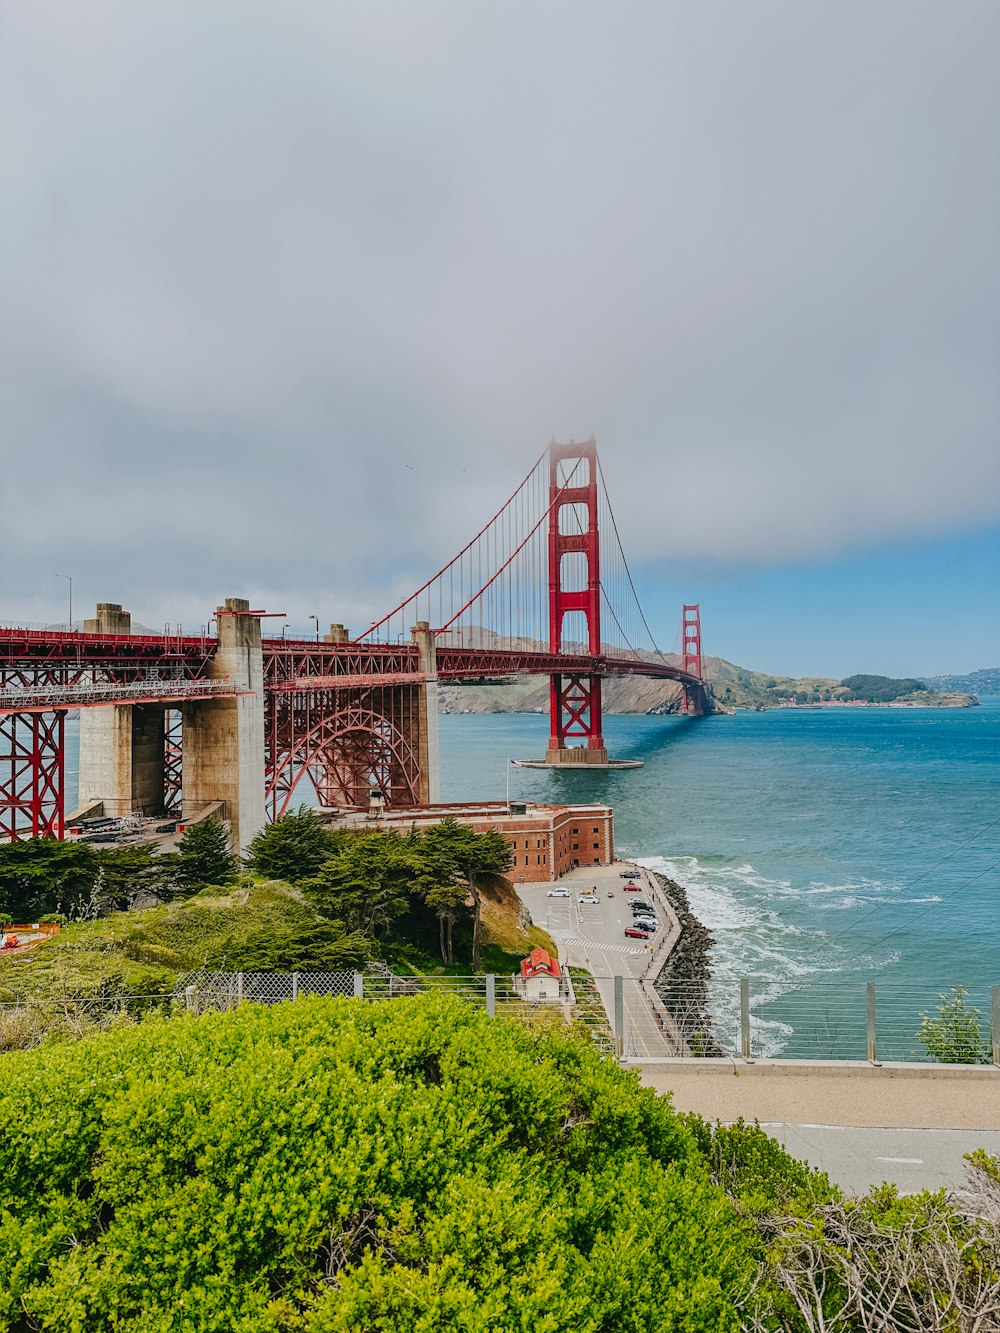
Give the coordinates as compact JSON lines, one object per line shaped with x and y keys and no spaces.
{"x":69,"y":579}
{"x":316,"y":619}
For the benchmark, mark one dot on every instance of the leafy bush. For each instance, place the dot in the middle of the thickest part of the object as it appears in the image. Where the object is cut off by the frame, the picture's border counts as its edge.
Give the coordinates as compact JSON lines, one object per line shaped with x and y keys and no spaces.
{"x":328,"y":1166}
{"x":953,"y":1034}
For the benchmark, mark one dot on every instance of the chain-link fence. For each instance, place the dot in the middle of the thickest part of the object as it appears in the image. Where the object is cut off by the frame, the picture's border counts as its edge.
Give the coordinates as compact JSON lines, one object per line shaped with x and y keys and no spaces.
{"x":751,"y":1019}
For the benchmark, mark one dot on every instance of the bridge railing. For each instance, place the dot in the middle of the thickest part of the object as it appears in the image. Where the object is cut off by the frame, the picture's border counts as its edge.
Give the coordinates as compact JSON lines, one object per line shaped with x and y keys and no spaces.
{"x":27,"y":698}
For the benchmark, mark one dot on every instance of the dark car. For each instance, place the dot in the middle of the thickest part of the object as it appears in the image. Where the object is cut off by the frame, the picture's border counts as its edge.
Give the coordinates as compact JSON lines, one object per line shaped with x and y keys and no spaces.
{"x":649,"y":923}
{"x":639,"y":906}
{"x":627,"y":874}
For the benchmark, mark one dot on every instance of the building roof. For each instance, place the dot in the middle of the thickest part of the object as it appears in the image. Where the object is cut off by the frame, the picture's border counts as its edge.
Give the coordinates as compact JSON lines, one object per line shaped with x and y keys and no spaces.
{"x":537,"y":962}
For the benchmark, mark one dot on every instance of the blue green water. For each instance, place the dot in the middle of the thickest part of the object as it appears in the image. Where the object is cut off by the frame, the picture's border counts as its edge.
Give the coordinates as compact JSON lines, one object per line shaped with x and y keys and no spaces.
{"x":807,"y":840}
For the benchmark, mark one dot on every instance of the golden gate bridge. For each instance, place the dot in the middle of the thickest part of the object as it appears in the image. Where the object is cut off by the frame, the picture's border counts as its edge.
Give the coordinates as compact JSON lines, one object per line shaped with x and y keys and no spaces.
{"x":173,"y":723}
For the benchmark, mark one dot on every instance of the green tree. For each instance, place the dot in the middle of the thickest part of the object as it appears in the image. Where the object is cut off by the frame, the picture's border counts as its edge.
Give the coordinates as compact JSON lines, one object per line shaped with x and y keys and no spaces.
{"x":953,"y":1034}
{"x":129,"y":874}
{"x":367,"y":883}
{"x":203,"y":856}
{"x":46,"y":875}
{"x":453,"y":858}
{"x":292,"y":848}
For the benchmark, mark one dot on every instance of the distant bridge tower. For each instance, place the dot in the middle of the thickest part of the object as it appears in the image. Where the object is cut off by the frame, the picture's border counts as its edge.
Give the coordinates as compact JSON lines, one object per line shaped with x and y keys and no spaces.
{"x":694,"y":695}
{"x":576,"y":732}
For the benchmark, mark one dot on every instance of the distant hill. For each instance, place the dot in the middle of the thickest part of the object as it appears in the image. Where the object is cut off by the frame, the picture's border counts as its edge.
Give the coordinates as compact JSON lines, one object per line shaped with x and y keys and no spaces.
{"x":733,"y":687}
{"x":985,"y":682}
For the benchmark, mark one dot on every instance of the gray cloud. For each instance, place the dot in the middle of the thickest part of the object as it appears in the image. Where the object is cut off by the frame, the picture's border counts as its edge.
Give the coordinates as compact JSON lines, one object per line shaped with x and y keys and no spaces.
{"x":255,"y":259}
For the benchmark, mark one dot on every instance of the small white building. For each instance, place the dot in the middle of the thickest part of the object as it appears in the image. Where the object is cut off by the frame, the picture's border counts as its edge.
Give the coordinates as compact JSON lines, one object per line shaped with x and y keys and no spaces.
{"x":540,"y":977}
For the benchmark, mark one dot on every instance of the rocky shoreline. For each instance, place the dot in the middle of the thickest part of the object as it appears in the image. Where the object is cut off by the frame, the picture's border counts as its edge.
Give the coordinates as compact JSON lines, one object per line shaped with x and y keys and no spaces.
{"x":682,"y":982}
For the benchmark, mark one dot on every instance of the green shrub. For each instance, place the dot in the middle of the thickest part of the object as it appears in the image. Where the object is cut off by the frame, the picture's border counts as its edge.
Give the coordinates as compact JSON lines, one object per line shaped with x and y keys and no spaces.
{"x":953,"y":1034}
{"x":327,"y":1166}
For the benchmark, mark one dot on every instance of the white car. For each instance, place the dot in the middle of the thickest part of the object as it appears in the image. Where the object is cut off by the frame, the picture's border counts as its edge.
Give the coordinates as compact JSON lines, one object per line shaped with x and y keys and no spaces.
{"x":589,"y":898}
{"x":560,"y":891}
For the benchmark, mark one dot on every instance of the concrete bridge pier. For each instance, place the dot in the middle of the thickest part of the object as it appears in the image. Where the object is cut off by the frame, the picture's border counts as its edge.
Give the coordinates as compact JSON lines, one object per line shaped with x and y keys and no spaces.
{"x":121,"y":747}
{"x":425,"y":716}
{"x":223,"y":739}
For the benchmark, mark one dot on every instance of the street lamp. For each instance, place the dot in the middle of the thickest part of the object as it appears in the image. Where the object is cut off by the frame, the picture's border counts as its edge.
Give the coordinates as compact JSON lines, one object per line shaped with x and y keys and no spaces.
{"x":316,"y":618}
{"x":69,"y":579}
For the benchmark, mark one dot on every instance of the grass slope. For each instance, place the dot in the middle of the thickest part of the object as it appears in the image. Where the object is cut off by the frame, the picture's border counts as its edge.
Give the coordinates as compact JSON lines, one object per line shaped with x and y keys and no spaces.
{"x":260,"y":926}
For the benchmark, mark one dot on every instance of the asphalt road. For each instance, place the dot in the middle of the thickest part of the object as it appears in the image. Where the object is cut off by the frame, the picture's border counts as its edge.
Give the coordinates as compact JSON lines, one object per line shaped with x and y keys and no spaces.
{"x":913,"y":1159}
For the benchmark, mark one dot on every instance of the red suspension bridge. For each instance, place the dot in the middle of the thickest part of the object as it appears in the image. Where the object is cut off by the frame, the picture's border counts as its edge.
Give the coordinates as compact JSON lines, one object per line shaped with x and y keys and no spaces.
{"x":176,"y":723}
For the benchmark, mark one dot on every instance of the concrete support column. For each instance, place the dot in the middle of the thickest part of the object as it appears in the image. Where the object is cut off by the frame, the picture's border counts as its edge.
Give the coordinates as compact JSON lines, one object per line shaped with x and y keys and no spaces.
{"x":338,"y":634}
{"x":223,"y":739}
{"x":121,"y":748}
{"x":428,"y":736}
{"x":121,"y":758}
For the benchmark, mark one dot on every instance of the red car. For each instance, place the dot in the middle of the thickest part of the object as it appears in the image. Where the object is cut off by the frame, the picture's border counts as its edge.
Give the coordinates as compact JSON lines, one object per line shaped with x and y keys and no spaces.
{"x":631,"y":887}
{"x":634,"y":933}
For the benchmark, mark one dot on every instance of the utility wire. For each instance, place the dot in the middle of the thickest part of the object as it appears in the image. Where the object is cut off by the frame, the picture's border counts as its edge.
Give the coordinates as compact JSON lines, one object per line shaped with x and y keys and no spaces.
{"x":906,"y":887}
{"x":907,"y":924}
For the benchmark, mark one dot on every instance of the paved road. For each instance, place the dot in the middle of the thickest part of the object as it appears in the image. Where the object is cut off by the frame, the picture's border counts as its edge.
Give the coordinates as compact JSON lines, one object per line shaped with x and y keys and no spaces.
{"x":913,"y":1159}
{"x":592,"y":935}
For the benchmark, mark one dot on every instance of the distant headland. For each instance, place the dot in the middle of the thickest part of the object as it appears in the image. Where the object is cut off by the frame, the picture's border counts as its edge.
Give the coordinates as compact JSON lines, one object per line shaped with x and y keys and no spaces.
{"x":733,"y":687}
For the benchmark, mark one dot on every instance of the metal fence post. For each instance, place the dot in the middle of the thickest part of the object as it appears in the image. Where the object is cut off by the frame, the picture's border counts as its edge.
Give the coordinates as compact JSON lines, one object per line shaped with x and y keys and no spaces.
{"x":295,"y":985}
{"x":870,"y":996}
{"x":239,"y":987}
{"x":745,"y":1017}
{"x":491,"y":994}
{"x":995,"y":1023}
{"x":359,"y":986}
{"x":619,"y":1015}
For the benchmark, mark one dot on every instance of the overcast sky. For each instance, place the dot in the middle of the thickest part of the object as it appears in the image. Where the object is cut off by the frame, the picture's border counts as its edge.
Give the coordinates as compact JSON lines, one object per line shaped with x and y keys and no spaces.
{"x":294,"y":292}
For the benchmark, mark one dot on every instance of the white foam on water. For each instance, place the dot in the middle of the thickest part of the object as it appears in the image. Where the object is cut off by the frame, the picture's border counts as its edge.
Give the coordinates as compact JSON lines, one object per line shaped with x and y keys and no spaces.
{"x":740,"y":907}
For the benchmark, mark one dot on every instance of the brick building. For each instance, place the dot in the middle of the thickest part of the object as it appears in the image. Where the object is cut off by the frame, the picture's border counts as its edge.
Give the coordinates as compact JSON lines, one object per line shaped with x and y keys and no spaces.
{"x":547,"y":840}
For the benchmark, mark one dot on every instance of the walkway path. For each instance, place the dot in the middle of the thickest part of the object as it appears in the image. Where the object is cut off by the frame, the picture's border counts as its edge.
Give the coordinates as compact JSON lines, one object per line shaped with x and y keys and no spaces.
{"x":861,"y":1124}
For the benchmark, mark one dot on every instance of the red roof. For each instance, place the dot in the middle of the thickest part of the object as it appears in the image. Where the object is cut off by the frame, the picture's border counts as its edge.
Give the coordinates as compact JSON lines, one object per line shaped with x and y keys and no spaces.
{"x":537,"y":962}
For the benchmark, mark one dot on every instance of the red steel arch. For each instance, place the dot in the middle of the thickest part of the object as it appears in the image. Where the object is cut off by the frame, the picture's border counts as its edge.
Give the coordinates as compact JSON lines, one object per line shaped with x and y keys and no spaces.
{"x":346,"y":754}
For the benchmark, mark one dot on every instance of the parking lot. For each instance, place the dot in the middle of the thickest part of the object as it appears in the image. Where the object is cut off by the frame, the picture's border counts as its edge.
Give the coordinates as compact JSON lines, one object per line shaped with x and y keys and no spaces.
{"x":592,"y":935}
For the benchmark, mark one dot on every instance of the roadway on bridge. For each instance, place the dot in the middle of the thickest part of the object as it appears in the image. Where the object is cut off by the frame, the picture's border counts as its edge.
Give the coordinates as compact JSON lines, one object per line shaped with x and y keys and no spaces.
{"x":592,"y":935}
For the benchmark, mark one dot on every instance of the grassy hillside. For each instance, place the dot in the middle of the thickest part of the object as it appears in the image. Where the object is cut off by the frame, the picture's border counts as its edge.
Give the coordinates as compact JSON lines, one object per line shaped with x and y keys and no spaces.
{"x":733,"y":686}
{"x":260,"y":926}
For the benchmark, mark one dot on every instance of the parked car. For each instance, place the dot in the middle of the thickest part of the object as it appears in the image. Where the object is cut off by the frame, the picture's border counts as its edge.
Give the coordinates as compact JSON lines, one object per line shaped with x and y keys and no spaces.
{"x":632,"y":887}
{"x":646,"y":922}
{"x":639,"y":905}
{"x":589,"y":898}
{"x":560,"y":891}
{"x":634,"y":933}
{"x":627,"y":874}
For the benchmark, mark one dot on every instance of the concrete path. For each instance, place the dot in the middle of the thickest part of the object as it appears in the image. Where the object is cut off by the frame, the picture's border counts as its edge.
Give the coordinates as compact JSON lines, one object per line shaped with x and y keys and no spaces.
{"x":861,"y":1124}
{"x":805,"y":1093}
{"x":913,"y":1159}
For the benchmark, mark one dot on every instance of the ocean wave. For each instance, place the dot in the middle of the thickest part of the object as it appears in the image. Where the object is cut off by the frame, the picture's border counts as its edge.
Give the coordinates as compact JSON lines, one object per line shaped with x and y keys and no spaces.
{"x":746,"y":913}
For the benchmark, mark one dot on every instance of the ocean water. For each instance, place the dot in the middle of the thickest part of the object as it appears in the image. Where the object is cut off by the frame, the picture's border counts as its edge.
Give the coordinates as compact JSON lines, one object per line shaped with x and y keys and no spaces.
{"x":823,"y":849}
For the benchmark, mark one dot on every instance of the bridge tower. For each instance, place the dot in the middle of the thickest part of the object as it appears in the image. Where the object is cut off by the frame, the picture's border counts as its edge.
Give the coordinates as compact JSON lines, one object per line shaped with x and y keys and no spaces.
{"x":575,"y":735}
{"x":694,"y":696}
